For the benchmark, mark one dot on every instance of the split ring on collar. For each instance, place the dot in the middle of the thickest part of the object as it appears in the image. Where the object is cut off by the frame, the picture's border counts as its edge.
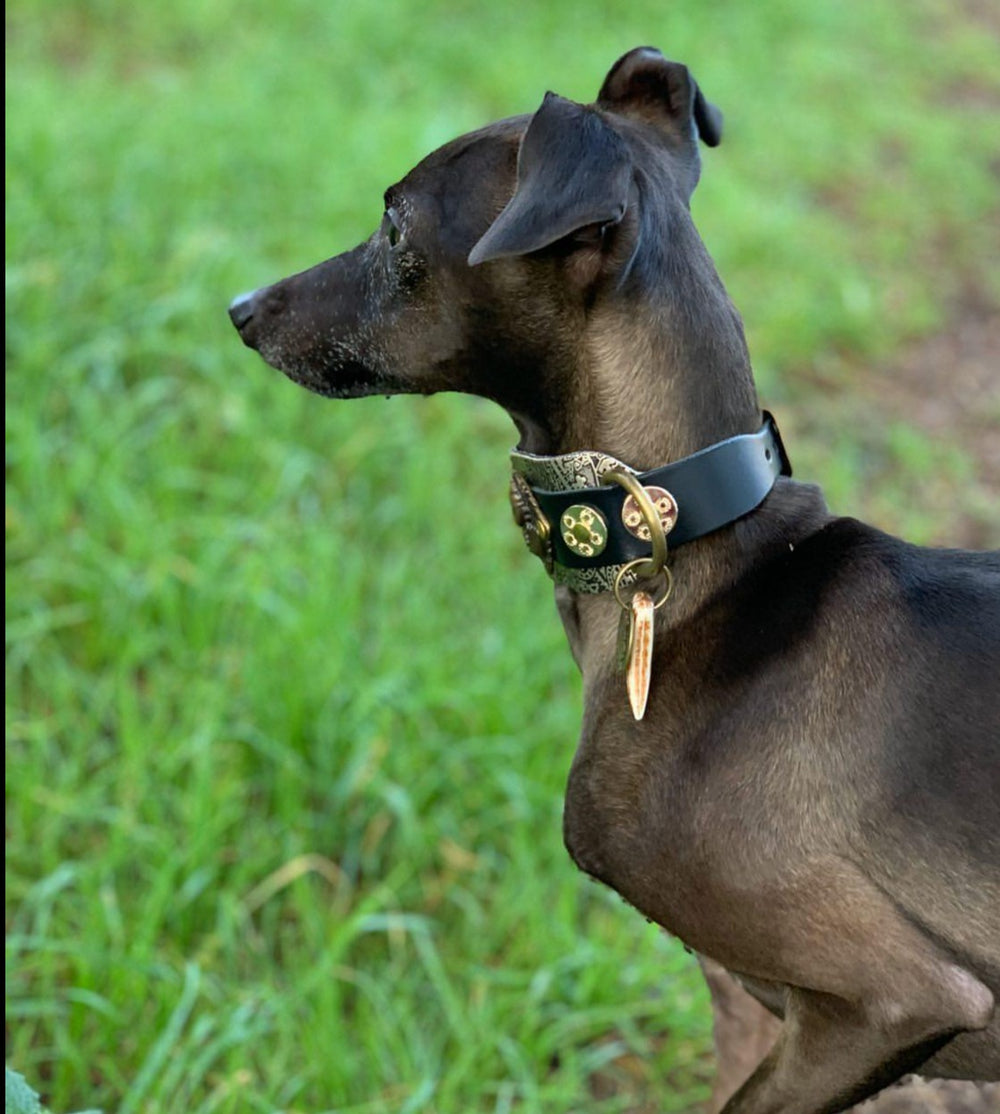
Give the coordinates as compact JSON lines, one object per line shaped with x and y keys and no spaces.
{"x":668,"y":582}
{"x":657,"y":535}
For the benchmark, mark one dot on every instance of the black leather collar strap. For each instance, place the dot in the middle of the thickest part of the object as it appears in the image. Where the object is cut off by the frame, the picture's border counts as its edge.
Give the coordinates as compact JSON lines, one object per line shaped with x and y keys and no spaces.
{"x":711,"y":488}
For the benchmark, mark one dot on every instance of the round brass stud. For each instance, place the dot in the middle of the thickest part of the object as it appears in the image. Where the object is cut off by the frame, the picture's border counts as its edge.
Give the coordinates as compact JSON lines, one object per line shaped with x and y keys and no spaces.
{"x":664,"y":504}
{"x":584,"y":530}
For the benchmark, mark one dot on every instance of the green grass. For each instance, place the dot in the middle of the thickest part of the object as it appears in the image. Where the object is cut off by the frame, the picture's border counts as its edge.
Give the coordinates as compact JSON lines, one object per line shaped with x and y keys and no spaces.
{"x":289,"y":712}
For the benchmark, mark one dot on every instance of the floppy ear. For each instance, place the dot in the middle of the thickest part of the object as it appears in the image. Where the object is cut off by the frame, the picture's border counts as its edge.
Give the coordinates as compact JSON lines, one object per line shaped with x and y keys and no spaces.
{"x":643,"y":83}
{"x":572,"y":171}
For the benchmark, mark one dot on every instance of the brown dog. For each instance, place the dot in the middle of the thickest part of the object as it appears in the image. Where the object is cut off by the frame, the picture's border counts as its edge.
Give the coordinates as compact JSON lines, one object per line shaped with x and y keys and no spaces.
{"x":807,"y":785}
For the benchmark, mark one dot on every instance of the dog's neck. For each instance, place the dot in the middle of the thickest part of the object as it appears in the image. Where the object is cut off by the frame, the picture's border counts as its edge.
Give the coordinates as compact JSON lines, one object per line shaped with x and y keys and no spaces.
{"x":682,"y":392}
{"x":653,"y":377}
{"x":657,"y":381}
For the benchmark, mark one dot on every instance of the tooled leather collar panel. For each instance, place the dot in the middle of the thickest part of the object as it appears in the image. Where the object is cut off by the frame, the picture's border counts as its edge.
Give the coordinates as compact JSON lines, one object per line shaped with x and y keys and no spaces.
{"x":586,"y":531}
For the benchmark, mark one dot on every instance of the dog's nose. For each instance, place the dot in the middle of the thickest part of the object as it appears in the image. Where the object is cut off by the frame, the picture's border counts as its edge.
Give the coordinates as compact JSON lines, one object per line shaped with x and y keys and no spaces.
{"x":241,"y":309}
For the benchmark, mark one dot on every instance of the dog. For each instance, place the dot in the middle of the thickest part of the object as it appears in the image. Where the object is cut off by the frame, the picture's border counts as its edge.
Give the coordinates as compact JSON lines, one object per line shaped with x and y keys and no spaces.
{"x":790,"y":750}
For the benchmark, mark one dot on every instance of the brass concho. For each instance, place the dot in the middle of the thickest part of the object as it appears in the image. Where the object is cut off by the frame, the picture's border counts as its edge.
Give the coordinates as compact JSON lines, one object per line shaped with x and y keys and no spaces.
{"x":666,"y":508}
{"x":533,"y":524}
{"x":584,"y":530}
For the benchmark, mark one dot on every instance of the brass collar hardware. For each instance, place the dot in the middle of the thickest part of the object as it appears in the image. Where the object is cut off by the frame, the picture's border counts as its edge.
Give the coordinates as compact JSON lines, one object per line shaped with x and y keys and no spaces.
{"x":528,"y":516}
{"x":597,"y":523}
{"x":637,"y":625}
{"x":656,"y":526}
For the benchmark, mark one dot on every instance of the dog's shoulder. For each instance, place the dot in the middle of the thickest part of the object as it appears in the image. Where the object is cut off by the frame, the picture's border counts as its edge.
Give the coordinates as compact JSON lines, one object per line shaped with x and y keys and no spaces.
{"x":938,"y":589}
{"x":846,"y":583}
{"x":935,"y":585}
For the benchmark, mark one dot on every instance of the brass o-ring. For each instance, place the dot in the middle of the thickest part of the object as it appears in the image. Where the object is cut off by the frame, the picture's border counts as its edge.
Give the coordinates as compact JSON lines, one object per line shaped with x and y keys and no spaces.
{"x":657,"y":538}
{"x":668,"y":582}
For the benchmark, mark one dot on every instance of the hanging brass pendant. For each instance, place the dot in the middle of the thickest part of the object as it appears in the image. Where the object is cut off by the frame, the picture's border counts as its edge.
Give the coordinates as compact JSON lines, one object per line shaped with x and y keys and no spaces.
{"x":640,"y":654}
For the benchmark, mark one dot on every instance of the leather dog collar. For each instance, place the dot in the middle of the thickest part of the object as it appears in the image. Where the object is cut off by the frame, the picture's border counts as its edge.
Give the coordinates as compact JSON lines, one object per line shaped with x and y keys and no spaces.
{"x":586,"y":532}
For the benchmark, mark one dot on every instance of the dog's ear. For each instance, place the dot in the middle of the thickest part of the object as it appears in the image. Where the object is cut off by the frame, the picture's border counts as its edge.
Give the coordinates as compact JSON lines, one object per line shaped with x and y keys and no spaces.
{"x":643,"y":83}
{"x":573,"y":171}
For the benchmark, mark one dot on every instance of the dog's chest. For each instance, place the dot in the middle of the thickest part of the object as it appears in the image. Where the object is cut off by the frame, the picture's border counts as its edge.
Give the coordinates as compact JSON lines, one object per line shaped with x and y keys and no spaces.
{"x":681,"y":814}
{"x":631,"y":820}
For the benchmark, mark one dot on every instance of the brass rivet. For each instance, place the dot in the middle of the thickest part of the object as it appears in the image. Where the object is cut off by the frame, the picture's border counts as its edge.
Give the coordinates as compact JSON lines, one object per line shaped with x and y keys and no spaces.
{"x":584,"y":530}
{"x":664,"y":504}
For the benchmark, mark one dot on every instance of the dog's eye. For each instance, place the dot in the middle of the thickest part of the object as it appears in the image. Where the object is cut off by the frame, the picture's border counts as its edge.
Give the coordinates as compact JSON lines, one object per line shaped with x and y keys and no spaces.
{"x":390,"y":223}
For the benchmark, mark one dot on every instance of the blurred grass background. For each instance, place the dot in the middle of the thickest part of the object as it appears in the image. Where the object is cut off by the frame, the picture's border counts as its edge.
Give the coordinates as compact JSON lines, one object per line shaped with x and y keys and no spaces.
{"x":286,"y":744}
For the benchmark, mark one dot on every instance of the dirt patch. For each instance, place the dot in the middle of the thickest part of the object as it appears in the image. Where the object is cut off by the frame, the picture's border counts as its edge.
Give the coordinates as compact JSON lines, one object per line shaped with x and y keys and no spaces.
{"x":985,"y":13}
{"x":946,"y":388}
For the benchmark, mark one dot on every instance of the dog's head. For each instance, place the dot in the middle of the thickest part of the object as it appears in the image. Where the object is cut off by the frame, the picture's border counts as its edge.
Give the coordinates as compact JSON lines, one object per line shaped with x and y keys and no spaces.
{"x":494,"y":249}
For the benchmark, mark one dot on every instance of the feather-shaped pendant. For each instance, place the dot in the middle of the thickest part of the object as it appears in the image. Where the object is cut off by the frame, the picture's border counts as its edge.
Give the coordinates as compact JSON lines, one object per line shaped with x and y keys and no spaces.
{"x":640,"y":652}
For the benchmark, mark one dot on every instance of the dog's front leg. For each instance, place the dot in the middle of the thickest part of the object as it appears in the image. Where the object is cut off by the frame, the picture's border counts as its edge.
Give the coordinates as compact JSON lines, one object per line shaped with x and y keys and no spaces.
{"x":743,"y":1031}
{"x":832,"y":1053}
